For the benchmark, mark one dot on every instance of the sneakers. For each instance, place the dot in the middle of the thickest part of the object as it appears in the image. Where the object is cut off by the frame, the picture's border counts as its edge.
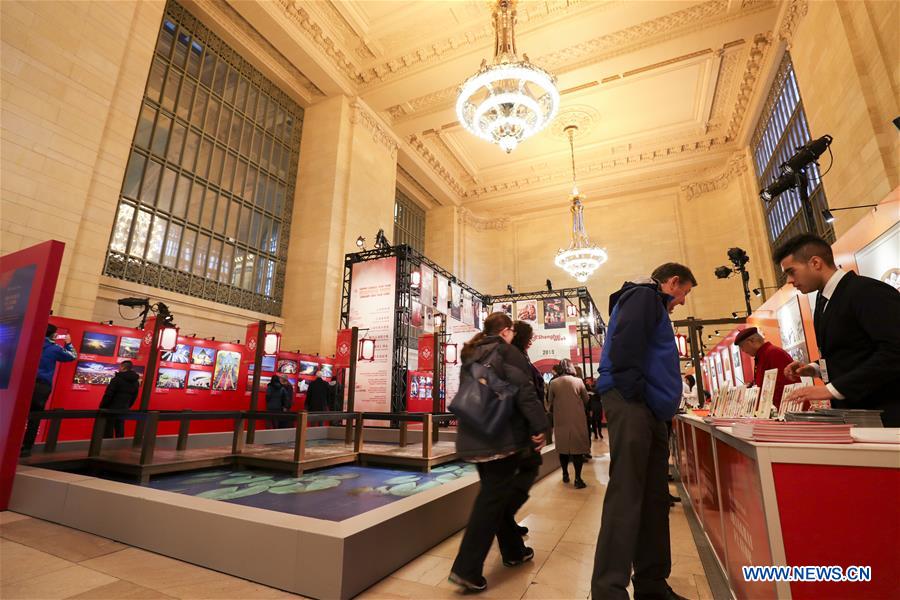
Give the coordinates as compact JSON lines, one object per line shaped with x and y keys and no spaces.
{"x":468,"y":585}
{"x":580,"y":484}
{"x":528,"y":555}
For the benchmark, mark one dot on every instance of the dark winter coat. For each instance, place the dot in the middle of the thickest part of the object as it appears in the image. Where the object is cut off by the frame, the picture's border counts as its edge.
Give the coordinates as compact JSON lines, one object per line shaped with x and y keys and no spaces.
{"x":278,"y":397}
{"x":122,"y":391}
{"x":317,"y":395}
{"x":528,"y":417}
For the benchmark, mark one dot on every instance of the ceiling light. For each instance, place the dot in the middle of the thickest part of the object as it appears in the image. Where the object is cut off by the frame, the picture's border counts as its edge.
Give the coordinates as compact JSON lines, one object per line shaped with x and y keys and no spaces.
{"x":582,"y":257}
{"x":510,"y":99}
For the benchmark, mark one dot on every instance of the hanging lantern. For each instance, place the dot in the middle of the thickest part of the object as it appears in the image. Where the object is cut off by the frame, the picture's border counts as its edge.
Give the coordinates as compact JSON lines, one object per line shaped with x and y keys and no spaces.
{"x":367,"y":350}
{"x":451,"y":354}
{"x":272,"y":343}
{"x":438,"y":320}
{"x":168,"y":338}
{"x":415,"y":279}
{"x":681,"y":344}
{"x":571,"y":311}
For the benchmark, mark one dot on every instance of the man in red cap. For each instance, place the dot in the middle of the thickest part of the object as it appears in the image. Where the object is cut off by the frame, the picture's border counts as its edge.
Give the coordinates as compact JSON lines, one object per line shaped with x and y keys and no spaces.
{"x":765,"y":356}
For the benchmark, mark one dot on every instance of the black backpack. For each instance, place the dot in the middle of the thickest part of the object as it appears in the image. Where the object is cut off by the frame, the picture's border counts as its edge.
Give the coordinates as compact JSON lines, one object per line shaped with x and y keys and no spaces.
{"x":484,"y":401}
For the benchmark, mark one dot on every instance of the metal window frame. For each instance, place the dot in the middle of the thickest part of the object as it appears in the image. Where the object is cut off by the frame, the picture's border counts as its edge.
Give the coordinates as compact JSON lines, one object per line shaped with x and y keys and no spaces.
{"x":283,"y":144}
{"x":409,"y":222}
{"x":784,"y":215}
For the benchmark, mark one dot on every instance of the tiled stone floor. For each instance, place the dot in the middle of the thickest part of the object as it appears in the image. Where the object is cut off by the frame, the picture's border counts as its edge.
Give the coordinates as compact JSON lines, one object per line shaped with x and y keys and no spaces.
{"x":43,"y":560}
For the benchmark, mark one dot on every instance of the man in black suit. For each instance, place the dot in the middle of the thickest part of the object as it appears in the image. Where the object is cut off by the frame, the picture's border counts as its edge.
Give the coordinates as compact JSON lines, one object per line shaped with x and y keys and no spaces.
{"x":857,"y":324}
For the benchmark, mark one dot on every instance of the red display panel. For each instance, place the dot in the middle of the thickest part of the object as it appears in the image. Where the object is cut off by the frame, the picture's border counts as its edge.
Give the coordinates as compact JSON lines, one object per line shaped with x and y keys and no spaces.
{"x":690,"y":471}
{"x":845,"y":516}
{"x":746,"y":536}
{"x":710,"y":509}
{"x":419,"y":389}
{"x":80,"y":384}
{"x":27,"y":283}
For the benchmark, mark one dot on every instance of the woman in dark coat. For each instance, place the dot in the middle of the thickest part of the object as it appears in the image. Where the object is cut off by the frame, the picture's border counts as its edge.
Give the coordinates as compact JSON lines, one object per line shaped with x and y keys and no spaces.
{"x":568,"y":402}
{"x":498,"y":457}
{"x":596,"y":407}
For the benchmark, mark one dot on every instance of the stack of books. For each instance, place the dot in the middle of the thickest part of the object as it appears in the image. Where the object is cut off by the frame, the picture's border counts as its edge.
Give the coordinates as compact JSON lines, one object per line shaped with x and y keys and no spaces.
{"x":856,"y":417}
{"x":812,"y":417}
{"x":807,"y":433}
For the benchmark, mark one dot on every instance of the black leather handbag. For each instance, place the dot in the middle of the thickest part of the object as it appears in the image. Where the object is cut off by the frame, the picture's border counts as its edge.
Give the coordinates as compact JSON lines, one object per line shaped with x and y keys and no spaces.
{"x":484,"y":401}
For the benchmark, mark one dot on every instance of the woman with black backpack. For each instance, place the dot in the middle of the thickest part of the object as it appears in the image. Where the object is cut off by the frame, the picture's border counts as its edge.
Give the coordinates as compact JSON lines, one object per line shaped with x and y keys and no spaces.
{"x":497,"y":456}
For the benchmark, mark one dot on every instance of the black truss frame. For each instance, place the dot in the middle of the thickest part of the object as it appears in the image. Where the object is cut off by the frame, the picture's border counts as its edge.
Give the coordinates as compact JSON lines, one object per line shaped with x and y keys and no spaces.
{"x":408,"y":260}
{"x":581,"y":298}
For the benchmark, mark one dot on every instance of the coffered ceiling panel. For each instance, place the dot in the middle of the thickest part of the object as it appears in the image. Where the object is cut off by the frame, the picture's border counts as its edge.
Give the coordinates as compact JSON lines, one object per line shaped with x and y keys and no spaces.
{"x":649,"y":83}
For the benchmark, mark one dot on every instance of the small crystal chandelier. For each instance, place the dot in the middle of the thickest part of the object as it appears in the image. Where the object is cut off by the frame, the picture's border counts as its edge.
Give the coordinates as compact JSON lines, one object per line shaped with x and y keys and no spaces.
{"x":510,"y":99}
{"x":582,"y":257}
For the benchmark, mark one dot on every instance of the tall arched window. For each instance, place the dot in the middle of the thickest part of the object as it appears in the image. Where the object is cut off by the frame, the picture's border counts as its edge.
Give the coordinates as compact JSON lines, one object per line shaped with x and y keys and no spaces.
{"x":205,"y":205}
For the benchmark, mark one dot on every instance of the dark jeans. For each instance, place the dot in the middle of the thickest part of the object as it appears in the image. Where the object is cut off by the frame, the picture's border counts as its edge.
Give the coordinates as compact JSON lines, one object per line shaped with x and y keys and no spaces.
{"x":529,"y":465}
{"x":39,"y":398}
{"x":596,"y":426}
{"x":577,"y":460}
{"x":634,"y":529}
{"x":115,"y":427}
{"x":489,"y":518}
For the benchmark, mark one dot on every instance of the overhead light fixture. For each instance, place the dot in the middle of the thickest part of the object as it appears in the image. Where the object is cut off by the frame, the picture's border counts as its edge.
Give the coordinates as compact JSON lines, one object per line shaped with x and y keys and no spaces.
{"x":509,"y":288}
{"x":582,"y":257}
{"x":806,"y":154}
{"x":828,"y":215}
{"x":361,"y":243}
{"x":510,"y":99}
{"x":549,"y":286}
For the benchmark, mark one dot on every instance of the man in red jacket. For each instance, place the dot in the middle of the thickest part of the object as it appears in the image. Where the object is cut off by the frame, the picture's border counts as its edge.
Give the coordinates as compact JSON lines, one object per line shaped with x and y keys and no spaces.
{"x":765,"y":356}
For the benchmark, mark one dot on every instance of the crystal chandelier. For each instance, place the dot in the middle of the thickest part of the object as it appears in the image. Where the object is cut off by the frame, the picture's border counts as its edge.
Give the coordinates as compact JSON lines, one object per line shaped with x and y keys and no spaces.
{"x":582,"y":257}
{"x":510,"y":99}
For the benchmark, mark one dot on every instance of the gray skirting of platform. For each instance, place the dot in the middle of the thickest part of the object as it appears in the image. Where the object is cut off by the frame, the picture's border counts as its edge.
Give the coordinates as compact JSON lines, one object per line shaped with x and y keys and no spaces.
{"x":312,"y":557}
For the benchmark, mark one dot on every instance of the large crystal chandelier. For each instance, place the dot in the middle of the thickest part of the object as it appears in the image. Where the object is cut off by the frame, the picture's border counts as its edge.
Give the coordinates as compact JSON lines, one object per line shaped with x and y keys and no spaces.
{"x":510,"y":99}
{"x":582,"y":257}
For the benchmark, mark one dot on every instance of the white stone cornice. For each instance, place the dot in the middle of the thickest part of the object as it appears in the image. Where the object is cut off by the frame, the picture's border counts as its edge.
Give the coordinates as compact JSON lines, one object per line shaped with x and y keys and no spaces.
{"x":795,"y":12}
{"x":361,"y":114}
{"x":736,"y":165}
{"x":467,"y":217}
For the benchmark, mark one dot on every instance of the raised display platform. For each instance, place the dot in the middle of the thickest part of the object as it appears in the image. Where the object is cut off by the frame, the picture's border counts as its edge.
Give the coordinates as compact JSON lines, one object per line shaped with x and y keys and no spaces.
{"x":245,"y":533}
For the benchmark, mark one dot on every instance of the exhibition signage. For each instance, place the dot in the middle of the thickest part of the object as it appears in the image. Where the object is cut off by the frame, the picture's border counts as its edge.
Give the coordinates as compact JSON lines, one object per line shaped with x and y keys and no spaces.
{"x":426,"y":352}
{"x":372,"y":300}
{"x":27,"y":283}
{"x":342,"y":348}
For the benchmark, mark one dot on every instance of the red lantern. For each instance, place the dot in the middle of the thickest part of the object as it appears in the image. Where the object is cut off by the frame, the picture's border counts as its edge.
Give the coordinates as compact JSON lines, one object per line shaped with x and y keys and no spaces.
{"x":367,"y":350}
{"x":272,"y":343}
{"x":571,"y":311}
{"x":168,"y":338}
{"x":415,"y":279}
{"x":451,"y":354}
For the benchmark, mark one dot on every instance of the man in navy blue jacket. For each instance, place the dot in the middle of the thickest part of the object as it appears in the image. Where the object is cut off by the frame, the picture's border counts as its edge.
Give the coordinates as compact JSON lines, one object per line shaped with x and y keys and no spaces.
{"x":51,"y":354}
{"x":640,"y":383}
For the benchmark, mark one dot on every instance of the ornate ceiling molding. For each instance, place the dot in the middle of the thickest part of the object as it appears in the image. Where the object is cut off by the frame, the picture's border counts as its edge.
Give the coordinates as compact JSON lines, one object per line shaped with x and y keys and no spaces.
{"x":757,"y":54}
{"x":360,"y":114}
{"x":796,"y":10}
{"x":736,"y":165}
{"x":296,"y":12}
{"x":467,"y":217}
{"x":435,"y":164}
{"x":261,"y":49}
{"x":636,"y":37}
{"x":722,"y":99}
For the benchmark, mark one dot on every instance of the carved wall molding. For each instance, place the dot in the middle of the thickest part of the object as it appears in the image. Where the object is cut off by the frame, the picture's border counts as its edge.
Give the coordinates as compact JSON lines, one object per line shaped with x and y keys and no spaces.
{"x":736,"y":165}
{"x":755,"y":59}
{"x":435,"y":164}
{"x":724,"y":93}
{"x":360,"y":114}
{"x":301,"y":17}
{"x":467,"y":217}
{"x":796,"y":10}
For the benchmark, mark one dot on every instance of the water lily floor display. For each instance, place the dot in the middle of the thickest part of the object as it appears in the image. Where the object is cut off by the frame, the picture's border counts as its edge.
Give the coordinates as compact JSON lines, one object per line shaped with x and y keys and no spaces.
{"x":333,"y":494}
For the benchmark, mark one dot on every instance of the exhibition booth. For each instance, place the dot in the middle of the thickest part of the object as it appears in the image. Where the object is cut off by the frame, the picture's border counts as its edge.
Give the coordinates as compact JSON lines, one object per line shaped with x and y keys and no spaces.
{"x":821,"y":490}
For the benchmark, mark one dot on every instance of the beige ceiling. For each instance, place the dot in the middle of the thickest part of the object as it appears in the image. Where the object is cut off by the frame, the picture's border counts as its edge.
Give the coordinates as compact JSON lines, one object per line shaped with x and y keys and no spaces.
{"x":657,"y":88}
